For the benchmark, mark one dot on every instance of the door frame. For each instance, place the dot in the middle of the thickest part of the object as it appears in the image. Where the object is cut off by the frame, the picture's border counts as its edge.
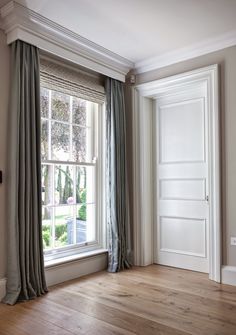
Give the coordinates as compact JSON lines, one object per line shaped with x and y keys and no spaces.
{"x":143,"y":171}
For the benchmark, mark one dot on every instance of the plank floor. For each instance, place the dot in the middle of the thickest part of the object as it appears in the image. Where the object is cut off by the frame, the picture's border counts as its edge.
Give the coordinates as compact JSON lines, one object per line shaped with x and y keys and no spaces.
{"x":152,"y":300}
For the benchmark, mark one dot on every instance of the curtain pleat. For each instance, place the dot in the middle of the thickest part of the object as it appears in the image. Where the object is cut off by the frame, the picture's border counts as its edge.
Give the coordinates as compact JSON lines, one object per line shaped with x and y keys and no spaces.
{"x":25,"y":273}
{"x":117,"y":203}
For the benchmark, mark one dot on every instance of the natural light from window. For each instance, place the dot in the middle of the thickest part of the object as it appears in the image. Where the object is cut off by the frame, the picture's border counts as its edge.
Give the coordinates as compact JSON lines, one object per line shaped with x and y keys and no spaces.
{"x":69,"y":153}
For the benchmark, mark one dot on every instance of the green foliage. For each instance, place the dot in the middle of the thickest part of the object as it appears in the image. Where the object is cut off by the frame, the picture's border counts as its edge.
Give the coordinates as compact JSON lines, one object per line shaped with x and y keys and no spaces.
{"x":63,"y":238}
{"x":60,"y":235}
{"x":46,"y":236}
{"x":68,"y":186}
{"x":82,"y":213}
{"x":83,"y":196}
{"x":59,"y":186}
{"x":60,"y":230}
{"x":78,"y":200}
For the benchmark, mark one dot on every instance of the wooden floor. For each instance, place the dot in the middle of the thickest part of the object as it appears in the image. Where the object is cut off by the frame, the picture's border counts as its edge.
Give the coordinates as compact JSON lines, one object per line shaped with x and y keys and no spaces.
{"x":146,"y":301}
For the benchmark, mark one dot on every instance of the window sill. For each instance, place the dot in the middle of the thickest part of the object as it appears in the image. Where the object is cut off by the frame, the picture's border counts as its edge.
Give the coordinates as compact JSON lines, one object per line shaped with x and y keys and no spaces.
{"x":73,"y":258}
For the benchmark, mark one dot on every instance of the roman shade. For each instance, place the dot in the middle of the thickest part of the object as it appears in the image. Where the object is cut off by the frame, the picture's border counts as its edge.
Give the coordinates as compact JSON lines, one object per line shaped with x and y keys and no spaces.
{"x":71,"y":80}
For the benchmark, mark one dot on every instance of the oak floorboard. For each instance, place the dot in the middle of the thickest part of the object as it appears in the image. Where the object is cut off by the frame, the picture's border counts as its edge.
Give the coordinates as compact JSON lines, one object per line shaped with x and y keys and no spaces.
{"x":153,"y":300}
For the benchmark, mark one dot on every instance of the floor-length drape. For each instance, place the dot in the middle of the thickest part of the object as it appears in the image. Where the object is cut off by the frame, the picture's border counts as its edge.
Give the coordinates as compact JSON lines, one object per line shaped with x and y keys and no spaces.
{"x":117,"y":202}
{"x":25,"y":273}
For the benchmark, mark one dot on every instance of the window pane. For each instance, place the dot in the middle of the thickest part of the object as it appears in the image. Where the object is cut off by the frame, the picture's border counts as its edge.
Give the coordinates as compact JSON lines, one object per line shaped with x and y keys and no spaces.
{"x":79,"y":144}
{"x":47,"y":182}
{"x":68,"y":133}
{"x":85,"y":223}
{"x":60,"y":106}
{"x":64,"y":184}
{"x":85,"y":184}
{"x":60,"y":141}
{"x":47,"y":227}
{"x":64,"y":226}
{"x":79,"y":111}
{"x":44,"y":100}
{"x":44,"y":139}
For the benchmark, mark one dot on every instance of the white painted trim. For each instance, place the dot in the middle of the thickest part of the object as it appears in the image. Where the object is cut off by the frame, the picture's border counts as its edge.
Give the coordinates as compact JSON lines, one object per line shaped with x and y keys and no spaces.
{"x":63,"y":271}
{"x":3,"y":283}
{"x":195,"y":50}
{"x":142,"y":148}
{"x":229,"y":275}
{"x":77,"y":268}
{"x":22,"y":23}
{"x":143,"y":183}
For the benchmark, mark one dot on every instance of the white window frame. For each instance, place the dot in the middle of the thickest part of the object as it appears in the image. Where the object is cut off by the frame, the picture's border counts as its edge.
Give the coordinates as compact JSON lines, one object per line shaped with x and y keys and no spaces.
{"x":98,"y":162}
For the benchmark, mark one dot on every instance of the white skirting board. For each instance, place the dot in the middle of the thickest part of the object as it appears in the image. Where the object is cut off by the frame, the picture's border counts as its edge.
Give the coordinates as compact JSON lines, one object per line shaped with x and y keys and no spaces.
{"x":3,"y":282}
{"x":75,"y":269}
{"x":67,"y":271}
{"x":228,"y":275}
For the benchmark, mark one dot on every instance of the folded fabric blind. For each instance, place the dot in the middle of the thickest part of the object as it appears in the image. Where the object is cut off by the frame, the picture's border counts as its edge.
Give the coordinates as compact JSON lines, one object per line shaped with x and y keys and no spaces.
{"x":76,"y":82}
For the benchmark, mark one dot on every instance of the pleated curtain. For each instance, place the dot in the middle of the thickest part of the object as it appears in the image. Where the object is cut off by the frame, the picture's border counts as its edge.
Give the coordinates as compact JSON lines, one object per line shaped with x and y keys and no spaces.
{"x":25,"y":273}
{"x":117,"y":201}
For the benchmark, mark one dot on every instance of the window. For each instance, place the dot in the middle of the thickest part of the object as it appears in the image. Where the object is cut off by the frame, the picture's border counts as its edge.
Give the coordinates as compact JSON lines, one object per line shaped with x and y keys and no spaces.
{"x":71,"y":155}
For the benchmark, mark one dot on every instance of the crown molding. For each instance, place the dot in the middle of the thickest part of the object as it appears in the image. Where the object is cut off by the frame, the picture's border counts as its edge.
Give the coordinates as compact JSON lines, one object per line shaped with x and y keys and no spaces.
{"x":19,"y":22}
{"x":195,"y":50}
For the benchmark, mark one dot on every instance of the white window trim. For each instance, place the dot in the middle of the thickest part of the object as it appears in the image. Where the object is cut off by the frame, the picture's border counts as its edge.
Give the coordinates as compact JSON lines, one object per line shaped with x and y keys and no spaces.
{"x":143,"y":96}
{"x":80,"y":251}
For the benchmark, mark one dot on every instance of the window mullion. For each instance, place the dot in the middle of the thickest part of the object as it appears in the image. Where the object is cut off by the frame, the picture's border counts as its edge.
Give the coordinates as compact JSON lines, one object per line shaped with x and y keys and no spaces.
{"x":74,"y":206}
{"x":50,"y":125}
{"x":53,"y":208}
{"x":59,"y":215}
{"x":71,"y":128}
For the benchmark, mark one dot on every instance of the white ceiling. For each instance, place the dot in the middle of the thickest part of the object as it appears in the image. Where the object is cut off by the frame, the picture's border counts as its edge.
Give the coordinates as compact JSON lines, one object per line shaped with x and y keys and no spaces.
{"x":141,"y":29}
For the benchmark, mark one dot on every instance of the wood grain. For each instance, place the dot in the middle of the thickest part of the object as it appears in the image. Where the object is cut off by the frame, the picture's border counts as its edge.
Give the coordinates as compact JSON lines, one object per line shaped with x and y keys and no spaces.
{"x":151,"y":300}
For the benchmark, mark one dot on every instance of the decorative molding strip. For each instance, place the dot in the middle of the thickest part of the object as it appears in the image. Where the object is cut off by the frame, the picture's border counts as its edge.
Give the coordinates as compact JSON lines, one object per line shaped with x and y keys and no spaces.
{"x":22,"y":23}
{"x":144,"y":161}
{"x":77,"y":268}
{"x":228,"y":275}
{"x":195,"y":50}
{"x":3,"y":283}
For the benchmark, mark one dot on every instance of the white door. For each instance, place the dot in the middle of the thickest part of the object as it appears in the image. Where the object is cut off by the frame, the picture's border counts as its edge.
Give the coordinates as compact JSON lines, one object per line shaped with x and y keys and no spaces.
{"x":182,"y":208}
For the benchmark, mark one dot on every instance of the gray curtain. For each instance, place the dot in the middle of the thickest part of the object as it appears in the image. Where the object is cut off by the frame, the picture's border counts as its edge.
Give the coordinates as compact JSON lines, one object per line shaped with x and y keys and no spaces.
{"x":117,"y":202}
{"x":25,"y":273}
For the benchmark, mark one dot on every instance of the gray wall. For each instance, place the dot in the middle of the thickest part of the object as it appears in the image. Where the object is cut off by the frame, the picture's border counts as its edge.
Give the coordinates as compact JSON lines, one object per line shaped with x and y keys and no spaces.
{"x":227,"y":60}
{"x":4,"y":89}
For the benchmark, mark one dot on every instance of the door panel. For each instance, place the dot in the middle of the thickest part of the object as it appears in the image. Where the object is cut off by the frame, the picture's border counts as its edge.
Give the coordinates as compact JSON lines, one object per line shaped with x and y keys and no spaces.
{"x":182,"y":180}
{"x":182,"y":132}
{"x":172,"y":228}
{"x":182,"y":189}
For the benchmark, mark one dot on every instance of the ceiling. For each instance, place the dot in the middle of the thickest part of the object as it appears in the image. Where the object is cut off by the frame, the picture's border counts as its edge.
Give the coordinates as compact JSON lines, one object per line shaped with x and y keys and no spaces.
{"x":141,"y":29}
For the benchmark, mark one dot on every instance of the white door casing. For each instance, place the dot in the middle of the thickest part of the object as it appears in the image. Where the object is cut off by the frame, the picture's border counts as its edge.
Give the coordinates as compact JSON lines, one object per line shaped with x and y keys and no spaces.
{"x":181,"y":201}
{"x":145,"y":179}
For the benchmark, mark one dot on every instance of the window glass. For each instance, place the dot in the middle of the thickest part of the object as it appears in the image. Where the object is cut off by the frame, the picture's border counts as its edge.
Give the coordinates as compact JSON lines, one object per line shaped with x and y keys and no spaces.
{"x":69,"y":185}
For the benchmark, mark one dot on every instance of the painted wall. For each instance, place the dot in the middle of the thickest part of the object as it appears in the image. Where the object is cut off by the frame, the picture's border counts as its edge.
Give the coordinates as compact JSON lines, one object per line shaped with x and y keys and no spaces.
{"x":4,"y":89}
{"x":227,"y":60}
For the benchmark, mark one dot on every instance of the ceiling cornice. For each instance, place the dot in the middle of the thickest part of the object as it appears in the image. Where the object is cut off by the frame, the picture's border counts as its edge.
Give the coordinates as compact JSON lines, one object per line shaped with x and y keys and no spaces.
{"x":198,"y":49}
{"x":19,"y":22}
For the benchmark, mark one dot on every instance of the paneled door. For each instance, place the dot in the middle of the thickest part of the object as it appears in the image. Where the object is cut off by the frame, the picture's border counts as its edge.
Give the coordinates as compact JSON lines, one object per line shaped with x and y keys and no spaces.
{"x":182,"y":191}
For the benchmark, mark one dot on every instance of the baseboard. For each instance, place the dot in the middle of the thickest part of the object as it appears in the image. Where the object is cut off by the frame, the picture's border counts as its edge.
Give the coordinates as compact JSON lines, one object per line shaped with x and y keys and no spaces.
{"x":75,"y":269}
{"x":228,"y":275}
{"x":3,"y":282}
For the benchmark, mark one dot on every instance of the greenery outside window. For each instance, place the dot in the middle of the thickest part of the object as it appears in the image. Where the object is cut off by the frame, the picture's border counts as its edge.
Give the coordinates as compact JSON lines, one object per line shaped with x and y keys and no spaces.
{"x":71,"y":173}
